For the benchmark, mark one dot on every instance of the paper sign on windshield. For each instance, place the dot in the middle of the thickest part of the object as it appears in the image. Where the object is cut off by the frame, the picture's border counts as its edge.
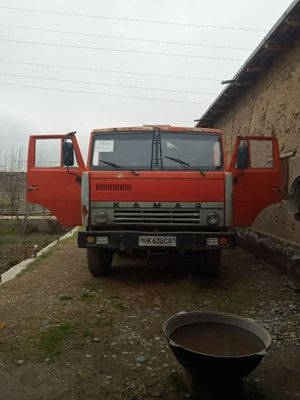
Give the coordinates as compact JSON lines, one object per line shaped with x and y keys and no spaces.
{"x":104,"y":146}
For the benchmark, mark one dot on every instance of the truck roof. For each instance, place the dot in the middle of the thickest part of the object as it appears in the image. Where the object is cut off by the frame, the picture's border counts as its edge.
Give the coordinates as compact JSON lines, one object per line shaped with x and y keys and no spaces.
{"x":157,"y":127}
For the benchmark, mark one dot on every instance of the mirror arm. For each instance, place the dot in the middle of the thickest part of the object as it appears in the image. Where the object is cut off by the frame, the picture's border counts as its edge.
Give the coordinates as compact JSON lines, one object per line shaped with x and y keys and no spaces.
{"x":78,"y":177}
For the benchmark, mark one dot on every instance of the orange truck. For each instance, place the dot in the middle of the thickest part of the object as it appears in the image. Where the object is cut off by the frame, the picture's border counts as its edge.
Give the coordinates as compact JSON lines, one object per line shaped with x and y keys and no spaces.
{"x":154,"y":189}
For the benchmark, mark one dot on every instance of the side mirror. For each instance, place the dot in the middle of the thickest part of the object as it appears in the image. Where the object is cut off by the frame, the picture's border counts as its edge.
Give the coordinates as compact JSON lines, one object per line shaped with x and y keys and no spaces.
{"x":68,"y":152}
{"x":242,"y":159}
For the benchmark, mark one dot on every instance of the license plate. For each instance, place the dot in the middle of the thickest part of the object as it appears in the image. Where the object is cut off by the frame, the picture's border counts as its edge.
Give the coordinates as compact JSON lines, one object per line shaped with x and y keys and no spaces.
{"x":212,"y":241}
{"x":157,"y":241}
{"x":102,"y":240}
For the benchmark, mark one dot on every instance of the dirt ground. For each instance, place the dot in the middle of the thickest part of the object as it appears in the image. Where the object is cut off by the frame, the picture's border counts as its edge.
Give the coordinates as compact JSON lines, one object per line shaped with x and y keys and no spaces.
{"x":16,"y":247}
{"x":65,"y":335}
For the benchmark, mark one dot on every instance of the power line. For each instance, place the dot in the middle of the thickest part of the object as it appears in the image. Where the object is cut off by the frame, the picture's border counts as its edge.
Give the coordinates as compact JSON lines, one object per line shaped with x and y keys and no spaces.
{"x":110,"y":71}
{"x":104,"y":84}
{"x":122,"y":37}
{"x":147,"y":21}
{"x":153,"y":53}
{"x":103,"y":94}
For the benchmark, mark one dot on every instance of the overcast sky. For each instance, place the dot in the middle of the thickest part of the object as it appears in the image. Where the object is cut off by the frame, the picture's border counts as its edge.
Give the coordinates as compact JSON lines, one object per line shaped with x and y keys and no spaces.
{"x":98,"y":49}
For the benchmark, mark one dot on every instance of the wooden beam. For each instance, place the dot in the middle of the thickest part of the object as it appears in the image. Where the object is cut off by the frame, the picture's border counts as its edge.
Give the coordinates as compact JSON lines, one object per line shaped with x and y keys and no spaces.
{"x":227,"y":81}
{"x":205,"y":123}
{"x":276,"y":46}
{"x":257,"y":68}
{"x":240,"y":84}
{"x":288,"y":154}
{"x":203,"y":120}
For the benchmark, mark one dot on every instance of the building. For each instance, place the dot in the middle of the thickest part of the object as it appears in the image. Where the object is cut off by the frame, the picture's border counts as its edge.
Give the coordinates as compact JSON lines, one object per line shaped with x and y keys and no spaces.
{"x":263,"y":98}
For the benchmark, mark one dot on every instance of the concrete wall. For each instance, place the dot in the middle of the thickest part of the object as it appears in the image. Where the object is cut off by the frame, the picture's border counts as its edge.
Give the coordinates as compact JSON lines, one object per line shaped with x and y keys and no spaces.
{"x":271,"y":106}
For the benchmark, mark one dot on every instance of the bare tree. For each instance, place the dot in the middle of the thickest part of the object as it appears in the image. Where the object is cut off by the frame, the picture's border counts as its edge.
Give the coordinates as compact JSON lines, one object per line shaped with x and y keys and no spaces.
{"x":13,"y":180}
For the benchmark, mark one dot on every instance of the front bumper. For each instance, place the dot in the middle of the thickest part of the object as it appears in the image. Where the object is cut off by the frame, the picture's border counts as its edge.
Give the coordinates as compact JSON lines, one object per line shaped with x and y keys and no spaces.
{"x":129,"y":240}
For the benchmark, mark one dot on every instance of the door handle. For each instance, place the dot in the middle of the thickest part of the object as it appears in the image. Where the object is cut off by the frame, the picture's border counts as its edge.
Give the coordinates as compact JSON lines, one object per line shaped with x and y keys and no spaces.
{"x":275,"y":189}
{"x":32,"y":188}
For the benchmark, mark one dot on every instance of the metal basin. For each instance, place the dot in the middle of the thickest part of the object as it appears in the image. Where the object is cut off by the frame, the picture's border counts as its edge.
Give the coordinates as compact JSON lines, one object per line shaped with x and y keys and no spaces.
{"x":215,"y":347}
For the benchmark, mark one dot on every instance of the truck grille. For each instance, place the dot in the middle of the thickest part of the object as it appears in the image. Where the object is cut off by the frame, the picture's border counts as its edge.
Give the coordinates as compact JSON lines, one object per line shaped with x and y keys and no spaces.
{"x":157,"y":217}
{"x":113,"y":187}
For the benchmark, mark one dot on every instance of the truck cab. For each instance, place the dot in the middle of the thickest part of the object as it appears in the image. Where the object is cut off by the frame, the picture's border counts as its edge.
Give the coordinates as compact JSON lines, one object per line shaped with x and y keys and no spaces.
{"x":155,"y":189}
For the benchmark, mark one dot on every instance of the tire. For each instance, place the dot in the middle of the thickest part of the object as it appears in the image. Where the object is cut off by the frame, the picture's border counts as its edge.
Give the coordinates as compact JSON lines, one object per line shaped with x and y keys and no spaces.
{"x":99,"y":261}
{"x":212,"y":263}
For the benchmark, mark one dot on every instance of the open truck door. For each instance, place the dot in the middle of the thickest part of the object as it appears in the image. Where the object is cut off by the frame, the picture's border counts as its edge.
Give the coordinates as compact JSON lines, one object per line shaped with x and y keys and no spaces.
{"x":255,"y":168}
{"x":54,"y":170}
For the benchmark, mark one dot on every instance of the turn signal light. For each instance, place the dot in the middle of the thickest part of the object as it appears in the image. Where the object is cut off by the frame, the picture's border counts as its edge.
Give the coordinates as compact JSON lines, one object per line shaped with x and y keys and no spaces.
{"x":223,"y":241}
{"x":90,"y":239}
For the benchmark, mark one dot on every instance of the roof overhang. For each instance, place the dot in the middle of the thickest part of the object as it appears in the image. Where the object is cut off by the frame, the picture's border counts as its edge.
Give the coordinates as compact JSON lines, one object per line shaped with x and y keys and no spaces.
{"x":279,"y":39}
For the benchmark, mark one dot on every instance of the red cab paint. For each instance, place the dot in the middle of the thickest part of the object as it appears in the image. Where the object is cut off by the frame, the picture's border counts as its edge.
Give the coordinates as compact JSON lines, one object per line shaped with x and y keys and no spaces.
{"x":153,"y":188}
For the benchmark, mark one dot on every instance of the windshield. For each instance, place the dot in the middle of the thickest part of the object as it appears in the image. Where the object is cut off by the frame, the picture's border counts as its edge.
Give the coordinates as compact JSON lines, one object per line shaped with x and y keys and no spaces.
{"x":125,"y":150}
{"x":193,"y":150}
{"x":171,"y":151}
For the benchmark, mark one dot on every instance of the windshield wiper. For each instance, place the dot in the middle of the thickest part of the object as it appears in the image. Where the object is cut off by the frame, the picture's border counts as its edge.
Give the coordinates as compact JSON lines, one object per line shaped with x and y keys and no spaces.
{"x":118,"y":166}
{"x":185,"y":164}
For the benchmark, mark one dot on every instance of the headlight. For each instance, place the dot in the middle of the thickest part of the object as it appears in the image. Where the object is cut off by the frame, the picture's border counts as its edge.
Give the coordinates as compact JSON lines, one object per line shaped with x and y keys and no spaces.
{"x":101,"y":217}
{"x":212,"y":218}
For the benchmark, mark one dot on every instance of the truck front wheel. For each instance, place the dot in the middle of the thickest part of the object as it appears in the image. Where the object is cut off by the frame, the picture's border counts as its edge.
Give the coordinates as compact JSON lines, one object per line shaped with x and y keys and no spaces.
{"x":99,"y":261}
{"x":212,"y":263}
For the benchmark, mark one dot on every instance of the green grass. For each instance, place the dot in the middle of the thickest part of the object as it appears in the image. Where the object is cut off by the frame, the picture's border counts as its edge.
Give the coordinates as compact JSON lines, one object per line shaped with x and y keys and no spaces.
{"x":51,"y":340}
{"x":176,"y":380}
{"x":87,"y":296}
{"x":118,"y":303}
{"x":9,"y":229}
{"x":87,"y":333}
{"x":104,"y":322}
{"x":120,"y":306}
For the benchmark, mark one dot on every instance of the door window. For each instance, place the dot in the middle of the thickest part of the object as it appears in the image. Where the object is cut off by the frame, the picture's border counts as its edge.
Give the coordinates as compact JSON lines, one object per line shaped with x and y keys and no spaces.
{"x":261,"y":154}
{"x":255,"y":153}
{"x":48,"y":153}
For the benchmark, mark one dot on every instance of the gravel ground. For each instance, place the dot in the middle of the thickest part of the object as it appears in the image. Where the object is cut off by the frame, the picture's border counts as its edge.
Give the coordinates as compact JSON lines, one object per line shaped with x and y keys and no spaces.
{"x":67,"y":335}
